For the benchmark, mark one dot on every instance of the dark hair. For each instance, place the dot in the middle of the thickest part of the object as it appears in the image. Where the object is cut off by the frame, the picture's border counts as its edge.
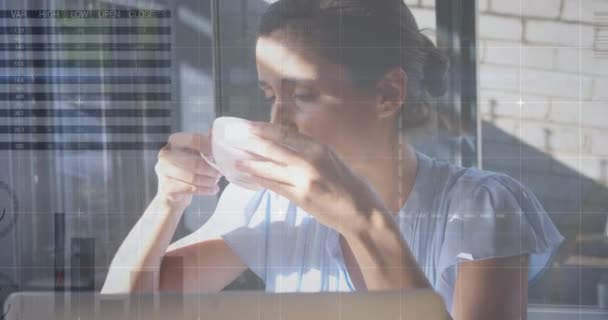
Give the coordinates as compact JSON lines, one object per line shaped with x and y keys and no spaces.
{"x":368,"y":37}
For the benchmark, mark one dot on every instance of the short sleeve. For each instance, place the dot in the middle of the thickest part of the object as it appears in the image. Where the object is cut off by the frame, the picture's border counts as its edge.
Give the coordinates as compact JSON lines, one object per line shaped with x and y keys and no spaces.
{"x":240,"y":220}
{"x":498,"y":217}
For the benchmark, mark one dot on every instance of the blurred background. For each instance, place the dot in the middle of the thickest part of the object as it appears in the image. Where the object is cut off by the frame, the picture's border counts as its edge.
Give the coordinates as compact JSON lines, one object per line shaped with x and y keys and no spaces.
{"x":527,"y":96}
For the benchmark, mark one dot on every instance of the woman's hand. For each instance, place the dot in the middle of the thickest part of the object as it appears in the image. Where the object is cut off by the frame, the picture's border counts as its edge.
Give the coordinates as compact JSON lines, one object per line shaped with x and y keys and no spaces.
{"x":181,"y":170}
{"x":311,"y":175}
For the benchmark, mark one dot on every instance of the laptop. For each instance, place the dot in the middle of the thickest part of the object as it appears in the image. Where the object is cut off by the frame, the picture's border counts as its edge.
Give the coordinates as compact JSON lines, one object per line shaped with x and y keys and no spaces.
{"x":230,"y":305}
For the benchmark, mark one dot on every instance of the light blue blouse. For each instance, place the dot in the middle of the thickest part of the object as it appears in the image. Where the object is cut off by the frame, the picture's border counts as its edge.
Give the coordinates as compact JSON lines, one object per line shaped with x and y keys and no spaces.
{"x":452,"y":214}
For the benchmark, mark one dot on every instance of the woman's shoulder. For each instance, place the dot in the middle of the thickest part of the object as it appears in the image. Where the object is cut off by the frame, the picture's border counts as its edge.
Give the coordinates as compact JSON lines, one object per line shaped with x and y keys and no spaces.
{"x":491,"y":214}
{"x":458,"y":181}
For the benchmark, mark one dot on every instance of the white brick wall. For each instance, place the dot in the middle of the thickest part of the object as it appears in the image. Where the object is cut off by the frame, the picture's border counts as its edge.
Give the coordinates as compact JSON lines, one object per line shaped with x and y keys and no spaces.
{"x":502,"y":28}
{"x":428,"y":3}
{"x":596,"y":139}
{"x":576,"y":61}
{"x":510,"y":126}
{"x":600,"y":91}
{"x":574,"y":10}
{"x":425,"y":18}
{"x":564,"y":87}
{"x":504,"y":96}
{"x":555,"y":84}
{"x":565,"y":34}
{"x":564,"y":138}
{"x":515,"y":54}
{"x":568,"y":113}
{"x":498,"y":77}
{"x":589,"y":166}
{"x":483,"y":5}
{"x":594,"y":115}
{"x":528,"y":8}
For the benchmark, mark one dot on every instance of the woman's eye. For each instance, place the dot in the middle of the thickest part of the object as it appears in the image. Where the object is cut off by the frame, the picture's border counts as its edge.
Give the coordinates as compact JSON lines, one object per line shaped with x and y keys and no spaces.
{"x":309,"y":97}
{"x":270,"y":99}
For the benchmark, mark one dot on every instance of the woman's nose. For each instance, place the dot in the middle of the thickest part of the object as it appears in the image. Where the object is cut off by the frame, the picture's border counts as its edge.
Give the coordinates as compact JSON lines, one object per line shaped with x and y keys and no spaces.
{"x":282,"y":114}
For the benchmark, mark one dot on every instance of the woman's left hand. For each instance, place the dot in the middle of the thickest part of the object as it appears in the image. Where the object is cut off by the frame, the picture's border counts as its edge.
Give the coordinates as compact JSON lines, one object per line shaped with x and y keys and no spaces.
{"x":311,"y":175}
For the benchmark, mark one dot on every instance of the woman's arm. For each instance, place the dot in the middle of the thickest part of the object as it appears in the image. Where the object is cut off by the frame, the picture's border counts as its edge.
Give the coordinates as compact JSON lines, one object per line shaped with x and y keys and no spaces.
{"x":144,"y":261}
{"x":136,"y":263}
{"x":494,"y":288}
{"x":206,"y":266}
{"x":485,"y":289}
{"x":382,"y":255}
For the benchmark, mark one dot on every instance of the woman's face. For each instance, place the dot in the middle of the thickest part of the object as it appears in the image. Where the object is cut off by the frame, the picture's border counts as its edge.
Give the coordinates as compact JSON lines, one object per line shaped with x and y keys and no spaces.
{"x":315,"y":96}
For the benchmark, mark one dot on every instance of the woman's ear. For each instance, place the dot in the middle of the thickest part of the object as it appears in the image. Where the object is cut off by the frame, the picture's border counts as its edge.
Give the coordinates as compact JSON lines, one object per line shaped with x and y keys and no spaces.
{"x":391,"y":92}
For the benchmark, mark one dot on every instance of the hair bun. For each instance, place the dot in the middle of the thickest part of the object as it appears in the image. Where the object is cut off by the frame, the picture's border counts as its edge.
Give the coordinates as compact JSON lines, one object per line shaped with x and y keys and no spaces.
{"x":435,"y":67}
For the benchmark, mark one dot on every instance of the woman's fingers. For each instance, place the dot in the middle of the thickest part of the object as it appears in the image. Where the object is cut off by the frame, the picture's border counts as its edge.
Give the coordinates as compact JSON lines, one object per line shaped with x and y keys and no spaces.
{"x":173,"y":187}
{"x":193,"y":141}
{"x":172,"y":171}
{"x":267,"y":170}
{"x":196,"y":144}
{"x":188,"y":160}
{"x":181,"y":170}
{"x":273,"y":151}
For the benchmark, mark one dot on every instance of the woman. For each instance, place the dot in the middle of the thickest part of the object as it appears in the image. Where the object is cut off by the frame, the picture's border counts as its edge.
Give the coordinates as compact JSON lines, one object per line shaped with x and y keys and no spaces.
{"x":346,"y":204}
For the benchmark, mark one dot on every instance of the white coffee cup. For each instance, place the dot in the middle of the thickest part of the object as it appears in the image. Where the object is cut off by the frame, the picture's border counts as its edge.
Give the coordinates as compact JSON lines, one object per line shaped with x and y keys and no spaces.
{"x":230,"y":135}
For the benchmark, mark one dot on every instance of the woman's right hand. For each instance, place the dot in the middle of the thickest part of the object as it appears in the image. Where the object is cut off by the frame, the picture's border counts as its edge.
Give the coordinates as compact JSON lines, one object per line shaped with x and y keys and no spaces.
{"x":182,"y":172}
